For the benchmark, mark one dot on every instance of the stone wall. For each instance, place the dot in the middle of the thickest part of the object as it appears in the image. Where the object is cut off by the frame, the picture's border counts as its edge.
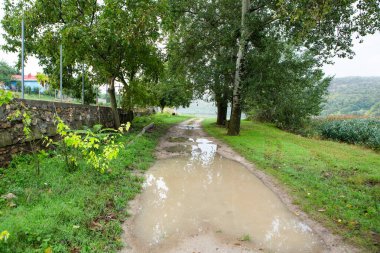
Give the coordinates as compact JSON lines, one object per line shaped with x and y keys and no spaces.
{"x":12,"y":139}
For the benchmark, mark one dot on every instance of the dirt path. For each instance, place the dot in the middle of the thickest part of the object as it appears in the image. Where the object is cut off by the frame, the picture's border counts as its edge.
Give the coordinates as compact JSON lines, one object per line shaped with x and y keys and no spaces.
{"x":211,"y":204}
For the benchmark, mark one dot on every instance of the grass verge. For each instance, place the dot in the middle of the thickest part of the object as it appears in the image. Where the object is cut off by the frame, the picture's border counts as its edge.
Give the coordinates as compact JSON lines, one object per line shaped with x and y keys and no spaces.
{"x":337,"y":184}
{"x":80,"y":211}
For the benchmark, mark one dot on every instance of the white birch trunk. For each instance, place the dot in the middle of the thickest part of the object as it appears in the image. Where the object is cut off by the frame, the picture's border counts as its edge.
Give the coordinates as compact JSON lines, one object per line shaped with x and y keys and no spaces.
{"x":234,"y":125}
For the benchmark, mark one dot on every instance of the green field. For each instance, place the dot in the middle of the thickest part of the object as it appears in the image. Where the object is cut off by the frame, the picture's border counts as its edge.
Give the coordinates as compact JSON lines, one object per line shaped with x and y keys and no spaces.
{"x":78,"y":211}
{"x":336,"y":184}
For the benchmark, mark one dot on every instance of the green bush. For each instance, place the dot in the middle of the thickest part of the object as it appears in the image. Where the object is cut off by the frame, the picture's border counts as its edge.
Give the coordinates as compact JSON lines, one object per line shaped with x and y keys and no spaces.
{"x":356,"y":131}
{"x":28,"y":90}
{"x":35,"y":90}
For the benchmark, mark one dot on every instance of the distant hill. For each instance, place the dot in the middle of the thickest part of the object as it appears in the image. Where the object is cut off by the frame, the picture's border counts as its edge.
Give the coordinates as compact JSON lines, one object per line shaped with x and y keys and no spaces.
{"x":353,"y":95}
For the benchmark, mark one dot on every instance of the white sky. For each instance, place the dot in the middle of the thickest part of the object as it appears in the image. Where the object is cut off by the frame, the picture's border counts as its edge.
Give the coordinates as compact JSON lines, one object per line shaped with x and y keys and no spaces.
{"x":366,"y":62}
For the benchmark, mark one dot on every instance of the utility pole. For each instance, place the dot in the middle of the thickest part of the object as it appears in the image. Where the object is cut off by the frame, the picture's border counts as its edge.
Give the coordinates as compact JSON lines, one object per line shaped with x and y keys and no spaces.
{"x":22,"y":57}
{"x":60,"y":72}
{"x":83,"y":84}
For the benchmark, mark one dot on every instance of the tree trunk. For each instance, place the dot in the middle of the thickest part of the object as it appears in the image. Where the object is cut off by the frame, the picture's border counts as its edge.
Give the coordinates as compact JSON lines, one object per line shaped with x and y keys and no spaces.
{"x":234,"y":125}
{"x":222,"y":106}
{"x":115,"y":112}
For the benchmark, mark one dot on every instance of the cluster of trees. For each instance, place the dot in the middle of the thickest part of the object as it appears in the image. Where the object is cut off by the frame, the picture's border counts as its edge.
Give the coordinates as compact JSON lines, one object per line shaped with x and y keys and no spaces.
{"x":107,"y":40}
{"x":258,"y":55}
{"x":6,"y":72}
{"x":266,"y":61}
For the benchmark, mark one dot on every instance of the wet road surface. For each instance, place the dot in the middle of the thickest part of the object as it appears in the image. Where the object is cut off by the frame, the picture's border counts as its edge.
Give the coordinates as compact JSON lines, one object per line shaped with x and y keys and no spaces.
{"x":195,"y":200}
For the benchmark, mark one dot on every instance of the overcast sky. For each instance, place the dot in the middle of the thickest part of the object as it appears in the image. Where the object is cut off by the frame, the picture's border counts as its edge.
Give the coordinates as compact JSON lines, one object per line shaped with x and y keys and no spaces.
{"x":366,"y":62}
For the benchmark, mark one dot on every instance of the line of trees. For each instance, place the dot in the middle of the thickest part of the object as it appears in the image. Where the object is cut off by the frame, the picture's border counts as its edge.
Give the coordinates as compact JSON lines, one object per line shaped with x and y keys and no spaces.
{"x":261,"y":56}
{"x":6,"y":72}
{"x":267,"y":60}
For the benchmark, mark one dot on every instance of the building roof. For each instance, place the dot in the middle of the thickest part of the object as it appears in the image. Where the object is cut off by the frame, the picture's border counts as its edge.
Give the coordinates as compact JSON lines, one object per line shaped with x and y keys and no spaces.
{"x":28,"y":77}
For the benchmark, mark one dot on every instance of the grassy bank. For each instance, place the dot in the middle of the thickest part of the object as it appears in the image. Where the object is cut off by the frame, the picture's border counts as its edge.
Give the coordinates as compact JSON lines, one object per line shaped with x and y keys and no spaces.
{"x":78,"y":211}
{"x":337,"y":184}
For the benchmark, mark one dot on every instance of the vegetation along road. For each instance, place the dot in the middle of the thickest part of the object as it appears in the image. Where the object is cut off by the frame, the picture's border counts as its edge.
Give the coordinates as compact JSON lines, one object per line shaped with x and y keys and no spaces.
{"x":336,"y":184}
{"x":74,"y":211}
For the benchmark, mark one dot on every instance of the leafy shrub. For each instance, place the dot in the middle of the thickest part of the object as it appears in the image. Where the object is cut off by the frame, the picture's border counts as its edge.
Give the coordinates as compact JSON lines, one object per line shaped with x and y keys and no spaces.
{"x":36,"y":90}
{"x":96,"y":146}
{"x":356,"y":131}
{"x":5,"y":97}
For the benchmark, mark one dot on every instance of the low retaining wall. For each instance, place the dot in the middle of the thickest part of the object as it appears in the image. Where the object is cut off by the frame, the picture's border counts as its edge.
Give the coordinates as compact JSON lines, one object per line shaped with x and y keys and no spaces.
{"x":12,"y":139}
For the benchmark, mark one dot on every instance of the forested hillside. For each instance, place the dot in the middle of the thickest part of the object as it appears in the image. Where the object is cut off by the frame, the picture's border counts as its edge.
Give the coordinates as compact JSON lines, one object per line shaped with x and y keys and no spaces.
{"x":354,"y":95}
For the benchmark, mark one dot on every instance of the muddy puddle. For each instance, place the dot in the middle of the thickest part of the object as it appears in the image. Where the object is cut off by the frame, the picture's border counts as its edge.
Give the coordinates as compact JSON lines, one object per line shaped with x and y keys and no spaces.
{"x":204,"y":202}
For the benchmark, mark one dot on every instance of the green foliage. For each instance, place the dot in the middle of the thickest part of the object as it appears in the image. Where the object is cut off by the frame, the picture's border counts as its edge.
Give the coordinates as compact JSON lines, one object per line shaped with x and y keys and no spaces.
{"x":207,"y":34}
{"x":79,"y":211}
{"x":6,"y":72}
{"x":353,"y":95}
{"x":173,"y":91}
{"x":97,"y":147}
{"x":139,"y":94}
{"x":355,"y":131}
{"x":202,"y":46}
{"x":29,"y":135}
{"x":327,"y":28}
{"x":336,"y":184}
{"x":5,"y":97}
{"x":282,"y":86}
{"x":42,"y":79}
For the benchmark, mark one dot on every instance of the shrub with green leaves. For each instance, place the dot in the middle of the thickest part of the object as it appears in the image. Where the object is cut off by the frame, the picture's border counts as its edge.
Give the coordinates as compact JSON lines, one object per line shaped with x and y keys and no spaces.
{"x":355,"y":131}
{"x":64,"y":211}
{"x":5,"y":97}
{"x":96,"y":146}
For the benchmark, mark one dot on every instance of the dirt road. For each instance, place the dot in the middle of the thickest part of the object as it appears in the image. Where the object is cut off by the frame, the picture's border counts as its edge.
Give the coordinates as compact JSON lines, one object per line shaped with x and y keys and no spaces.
{"x":201,"y":196}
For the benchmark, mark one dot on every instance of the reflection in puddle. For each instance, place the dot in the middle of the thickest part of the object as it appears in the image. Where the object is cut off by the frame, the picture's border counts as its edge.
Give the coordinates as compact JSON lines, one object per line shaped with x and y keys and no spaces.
{"x":184,"y":197}
{"x":188,"y":127}
{"x":204,"y":151}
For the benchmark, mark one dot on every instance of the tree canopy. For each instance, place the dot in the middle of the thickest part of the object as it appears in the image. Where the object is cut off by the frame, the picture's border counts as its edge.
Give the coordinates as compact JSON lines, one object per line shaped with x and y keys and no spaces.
{"x":165,"y":51}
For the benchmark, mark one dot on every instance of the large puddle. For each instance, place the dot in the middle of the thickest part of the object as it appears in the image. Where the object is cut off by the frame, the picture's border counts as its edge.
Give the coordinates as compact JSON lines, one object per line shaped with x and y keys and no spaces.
{"x":205,"y":193}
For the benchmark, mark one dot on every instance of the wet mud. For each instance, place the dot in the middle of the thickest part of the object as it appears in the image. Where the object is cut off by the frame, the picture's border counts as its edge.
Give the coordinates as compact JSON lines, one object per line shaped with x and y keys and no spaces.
{"x":199,"y":198}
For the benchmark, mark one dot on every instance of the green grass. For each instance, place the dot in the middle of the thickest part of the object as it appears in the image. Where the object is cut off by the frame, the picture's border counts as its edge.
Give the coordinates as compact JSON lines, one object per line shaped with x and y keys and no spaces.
{"x":79,"y":211}
{"x":337,"y":184}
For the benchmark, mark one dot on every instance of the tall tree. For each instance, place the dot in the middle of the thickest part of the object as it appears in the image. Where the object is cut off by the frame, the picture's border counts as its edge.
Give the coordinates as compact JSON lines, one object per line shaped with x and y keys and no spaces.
{"x":234,"y":125}
{"x":46,"y":26}
{"x":282,"y":85}
{"x":324,"y":27}
{"x":202,"y":45}
{"x":116,"y":39}
{"x":173,"y":90}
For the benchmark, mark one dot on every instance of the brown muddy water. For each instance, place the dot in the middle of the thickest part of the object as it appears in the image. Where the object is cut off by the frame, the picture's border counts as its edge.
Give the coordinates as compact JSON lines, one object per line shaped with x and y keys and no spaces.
{"x":204,"y":195}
